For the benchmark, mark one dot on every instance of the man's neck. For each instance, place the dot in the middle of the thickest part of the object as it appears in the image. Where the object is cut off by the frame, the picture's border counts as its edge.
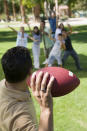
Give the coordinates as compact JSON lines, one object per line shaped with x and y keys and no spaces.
{"x":21,"y":86}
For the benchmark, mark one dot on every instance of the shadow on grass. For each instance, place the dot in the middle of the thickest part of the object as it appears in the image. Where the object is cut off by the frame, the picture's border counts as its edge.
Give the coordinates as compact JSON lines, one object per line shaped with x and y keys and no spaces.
{"x":9,"y":36}
{"x":80,"y":28}
{"x":70,"y":64}
{"x":80,"y":38}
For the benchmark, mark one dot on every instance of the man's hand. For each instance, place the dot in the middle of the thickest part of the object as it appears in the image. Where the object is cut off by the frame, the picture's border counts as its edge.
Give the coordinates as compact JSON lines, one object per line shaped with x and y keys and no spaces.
{"x":41,"y":91}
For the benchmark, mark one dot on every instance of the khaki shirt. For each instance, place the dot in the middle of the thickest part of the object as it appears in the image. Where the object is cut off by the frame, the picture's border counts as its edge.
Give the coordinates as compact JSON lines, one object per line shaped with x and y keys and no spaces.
{"x":17,"y":112}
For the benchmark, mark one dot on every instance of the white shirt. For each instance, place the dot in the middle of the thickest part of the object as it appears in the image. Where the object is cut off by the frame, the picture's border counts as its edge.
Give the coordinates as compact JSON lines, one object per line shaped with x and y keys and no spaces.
{"x":58,"y":31}
{"x":22,"y":41}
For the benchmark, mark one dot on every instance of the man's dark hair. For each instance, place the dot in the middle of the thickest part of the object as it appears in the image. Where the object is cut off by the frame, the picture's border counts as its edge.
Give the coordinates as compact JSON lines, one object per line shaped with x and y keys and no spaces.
{"x":16,"y":64}
{"x":60,"y":34}
{"x":43,"y":21}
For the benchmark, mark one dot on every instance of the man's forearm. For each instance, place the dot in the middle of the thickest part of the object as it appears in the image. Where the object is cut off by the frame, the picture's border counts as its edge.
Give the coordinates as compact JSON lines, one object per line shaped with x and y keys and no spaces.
{"x":46,"y":120}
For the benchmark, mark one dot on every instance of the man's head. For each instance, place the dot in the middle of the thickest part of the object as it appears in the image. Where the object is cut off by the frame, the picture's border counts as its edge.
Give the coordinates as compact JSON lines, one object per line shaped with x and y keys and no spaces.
{"x":64,"y":32}
{"x":53,"y":15}
{"x":16,"y":64}
{"x":60,"y":37}
{"x":61,"y":26}
{"x":22,"y":29}
{"x":42,"y":24}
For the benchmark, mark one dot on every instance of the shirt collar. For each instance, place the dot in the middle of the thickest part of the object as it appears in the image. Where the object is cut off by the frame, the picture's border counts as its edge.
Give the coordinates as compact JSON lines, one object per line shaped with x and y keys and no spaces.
{"x":15,"y":94}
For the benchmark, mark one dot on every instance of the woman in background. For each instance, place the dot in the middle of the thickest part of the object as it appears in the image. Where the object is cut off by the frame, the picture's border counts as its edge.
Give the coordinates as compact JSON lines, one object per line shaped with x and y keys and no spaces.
{"x":22,"y":37}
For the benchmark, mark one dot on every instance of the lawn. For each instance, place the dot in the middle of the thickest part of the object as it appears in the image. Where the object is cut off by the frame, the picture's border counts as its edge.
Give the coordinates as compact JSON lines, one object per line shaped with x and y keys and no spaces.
{"x":70,"y":111}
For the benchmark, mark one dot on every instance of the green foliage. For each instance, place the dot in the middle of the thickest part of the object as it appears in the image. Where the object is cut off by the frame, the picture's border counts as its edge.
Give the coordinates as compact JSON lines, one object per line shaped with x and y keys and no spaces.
{"x":32,"y":3}
{"x":70,"y":3}
{"x":81,"y":5}
{"x":1,"y":6}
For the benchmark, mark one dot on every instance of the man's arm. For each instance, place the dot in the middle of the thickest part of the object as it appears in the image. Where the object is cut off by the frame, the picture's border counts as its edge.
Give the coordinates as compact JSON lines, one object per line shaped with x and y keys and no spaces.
{"x":13,"y":29}
{"x":23,"y":121}
{"x":62,"y":43}
{"x":70,"y":29}
{"x":44,"y":99}
{"x":46,"y":120}
{"x":57,"y":18}
{"x":63,"y":46}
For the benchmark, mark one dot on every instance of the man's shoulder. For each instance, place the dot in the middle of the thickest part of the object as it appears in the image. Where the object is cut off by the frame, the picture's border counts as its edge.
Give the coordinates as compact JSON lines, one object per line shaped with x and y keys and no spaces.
{"x":68,"y":38}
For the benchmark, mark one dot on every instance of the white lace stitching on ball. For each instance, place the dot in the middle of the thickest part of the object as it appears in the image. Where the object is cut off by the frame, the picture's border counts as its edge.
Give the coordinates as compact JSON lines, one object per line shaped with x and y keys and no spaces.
{"x":70,"y":74}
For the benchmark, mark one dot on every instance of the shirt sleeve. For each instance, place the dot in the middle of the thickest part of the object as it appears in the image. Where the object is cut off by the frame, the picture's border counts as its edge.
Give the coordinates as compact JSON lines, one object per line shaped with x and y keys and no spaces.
{"x":24,"y":122}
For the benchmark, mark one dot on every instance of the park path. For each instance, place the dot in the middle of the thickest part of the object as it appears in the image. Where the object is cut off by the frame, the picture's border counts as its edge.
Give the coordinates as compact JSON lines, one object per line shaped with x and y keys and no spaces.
{"x":71,"y":21}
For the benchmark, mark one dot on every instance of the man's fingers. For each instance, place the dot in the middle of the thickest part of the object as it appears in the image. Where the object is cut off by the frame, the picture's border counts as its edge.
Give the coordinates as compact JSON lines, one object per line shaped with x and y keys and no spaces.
{"x":38,"y":81}
{"x":44,"y":81}
{"x":50,"y":84}
{"x":33,"y":79}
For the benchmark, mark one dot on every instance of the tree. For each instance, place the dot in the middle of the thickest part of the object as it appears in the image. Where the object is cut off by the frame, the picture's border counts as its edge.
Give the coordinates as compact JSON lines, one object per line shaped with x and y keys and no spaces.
{"x":22,"y":10}
{"x":14,"y":11}
{"x":81,"y":5}
{"x":56,"y":5}
{"x":35,"y":4}
{"x":36,"y":11}
{"x":70,"y":3}
{"x":6,"y":10}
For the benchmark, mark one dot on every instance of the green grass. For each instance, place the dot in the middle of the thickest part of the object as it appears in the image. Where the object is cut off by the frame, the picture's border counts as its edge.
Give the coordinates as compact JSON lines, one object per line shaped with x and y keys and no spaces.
{"x":70,"y":111}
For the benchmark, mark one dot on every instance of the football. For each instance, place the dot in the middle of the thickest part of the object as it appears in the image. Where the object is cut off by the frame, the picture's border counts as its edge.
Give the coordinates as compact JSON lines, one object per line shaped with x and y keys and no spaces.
{"x":64,"y":83}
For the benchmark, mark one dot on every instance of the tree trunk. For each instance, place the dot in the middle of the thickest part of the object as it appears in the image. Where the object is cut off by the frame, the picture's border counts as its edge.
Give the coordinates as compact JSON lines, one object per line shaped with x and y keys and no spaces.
{"x":22,"y":10}
{"x":57,"y":12}
{"x":6,"y":10}
{"x":14,"y":11}
{"x":45,"y":7}
{"x":37,"y":12}
{"x":56,"y":5}
{"x":70,"y":12}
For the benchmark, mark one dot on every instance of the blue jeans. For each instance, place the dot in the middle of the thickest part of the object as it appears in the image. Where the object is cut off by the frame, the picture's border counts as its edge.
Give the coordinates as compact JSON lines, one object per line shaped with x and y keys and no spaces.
{"x":74,"y":56}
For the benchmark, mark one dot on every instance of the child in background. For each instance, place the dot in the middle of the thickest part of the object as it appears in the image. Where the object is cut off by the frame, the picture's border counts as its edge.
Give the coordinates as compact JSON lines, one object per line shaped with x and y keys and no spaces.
{"x":56,"y":51}
{"x":36,"y":47}
{"x":22,"y":37}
